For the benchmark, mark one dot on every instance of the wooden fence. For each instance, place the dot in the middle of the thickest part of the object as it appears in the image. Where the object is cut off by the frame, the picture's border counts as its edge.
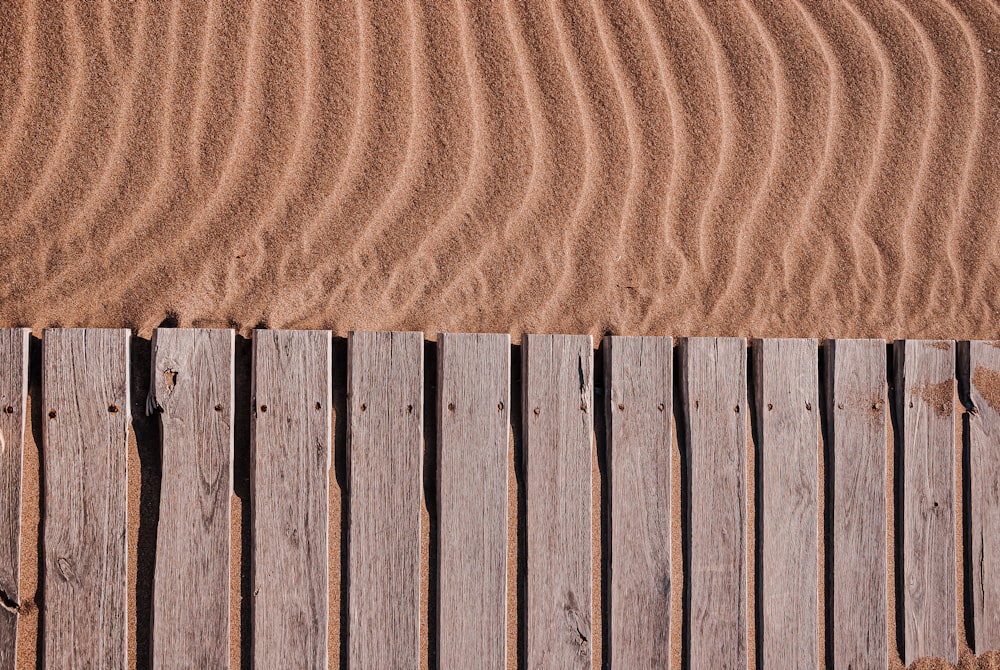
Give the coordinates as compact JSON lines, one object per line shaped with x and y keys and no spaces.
{"x":816,"y":482}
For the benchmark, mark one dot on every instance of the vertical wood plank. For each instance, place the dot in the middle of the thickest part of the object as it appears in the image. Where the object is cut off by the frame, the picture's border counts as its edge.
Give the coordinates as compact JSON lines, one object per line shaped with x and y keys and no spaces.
{"x":558,"y":440}
{"x":984,"y":478}
{"x":13,"y":404}
{"x":85,"y":385}
{"x":855,"y":375}
{"x":714,"y":388}
{"x":385,"y":434}
{"x":926,"y":388}
{"x":639,"y":394}
{"x":786,"y":387}
{"x":291,"y":434}
{"x":191,"y":389}
{"x":473,"y":434}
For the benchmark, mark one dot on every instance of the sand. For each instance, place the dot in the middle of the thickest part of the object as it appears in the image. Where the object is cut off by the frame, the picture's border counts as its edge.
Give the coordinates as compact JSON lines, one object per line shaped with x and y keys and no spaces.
{"x":784,"y":168}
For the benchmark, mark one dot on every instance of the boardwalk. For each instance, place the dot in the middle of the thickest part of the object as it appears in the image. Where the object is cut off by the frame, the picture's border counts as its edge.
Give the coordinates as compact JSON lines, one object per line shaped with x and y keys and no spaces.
{"x":513,"y":504}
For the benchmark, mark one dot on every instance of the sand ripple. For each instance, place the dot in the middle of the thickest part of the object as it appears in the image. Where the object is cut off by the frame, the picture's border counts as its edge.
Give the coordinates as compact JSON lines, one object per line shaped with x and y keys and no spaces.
{"x":784,"y":167}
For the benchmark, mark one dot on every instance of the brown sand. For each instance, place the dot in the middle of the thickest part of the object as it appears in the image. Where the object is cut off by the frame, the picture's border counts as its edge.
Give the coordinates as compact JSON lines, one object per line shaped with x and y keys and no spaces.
{"x":786,"y":168}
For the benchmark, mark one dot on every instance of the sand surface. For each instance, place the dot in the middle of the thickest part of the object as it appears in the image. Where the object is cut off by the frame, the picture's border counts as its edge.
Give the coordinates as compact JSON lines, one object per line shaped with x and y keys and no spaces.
{"x":784,"y":168}
{"x":628,"y":166}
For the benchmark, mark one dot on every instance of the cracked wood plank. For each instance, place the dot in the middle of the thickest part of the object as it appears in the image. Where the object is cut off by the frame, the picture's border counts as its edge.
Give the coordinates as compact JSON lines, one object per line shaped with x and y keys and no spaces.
{"x":13,"y":405}
{"x":558,"y":444}
{"x":714,"y":404}
{"x":192,"y":391}
{"x":290,"y":453}
{"x":855,"y":377}
{"x":786,"y":389}
{"x":639,"y":396}
{"x":385,"y":441}
{"x":85,"y":420}
{"x":984,"y":475}
{"x":473,"y":434}
{"x":926,"y":389}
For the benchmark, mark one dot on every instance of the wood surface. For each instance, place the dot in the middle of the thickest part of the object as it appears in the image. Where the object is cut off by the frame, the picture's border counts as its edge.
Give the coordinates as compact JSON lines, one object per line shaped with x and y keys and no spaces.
{"x":385,"y":435}
{"x":13,"y":407}
{"x":926,"y":377}
{"x":786,"y":388}
{"x":473,"y":434}
{"x":85,"y":419}
{"x":558,"y":417}
{"x":290,"y":455}
{"x":639,"y":395}
{"x":714,"y":392}
{"x":984,"y":477}
{"x":191,"y":389}
{"x":855,"y":376}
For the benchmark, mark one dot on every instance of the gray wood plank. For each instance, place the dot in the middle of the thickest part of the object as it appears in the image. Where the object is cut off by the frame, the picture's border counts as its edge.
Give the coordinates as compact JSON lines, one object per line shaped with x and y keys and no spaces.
{"x":639,"y":395}
{"x":855,"y":377}
{"x":984,"y":476}
{"x":558,"y":444}
{"x":473,"y":435}
{"x":85,"y":386}
{"x":385,"y":434}
{"x":191,"y":389}
{"x":290,"y":454}
{"x":926,"y":389}
{"x":714,"y":392}
{"x":786,"y":388}
{"x":13,"y":404}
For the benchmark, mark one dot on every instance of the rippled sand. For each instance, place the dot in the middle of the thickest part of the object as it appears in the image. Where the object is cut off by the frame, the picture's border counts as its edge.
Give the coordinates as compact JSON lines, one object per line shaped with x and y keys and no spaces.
{"x":751,"y":168}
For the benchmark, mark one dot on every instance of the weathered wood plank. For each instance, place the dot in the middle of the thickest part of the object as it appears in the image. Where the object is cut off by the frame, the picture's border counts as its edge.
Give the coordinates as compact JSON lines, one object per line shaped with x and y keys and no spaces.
{"x":714,"y":401}
{"x":984,"y":476}
{"x":85,"y":385}
{"x":385,"y":434}
{"x":473,"y":435}
{"x":290,"y":454}
{"x":926,"y":388}
{"x":855,"y":377}
{"x":639,"y":394}
{"x":191,"y":389}
{"x":786,"y":388}
{"x":13,"y":404}
{"x":558,"y":441}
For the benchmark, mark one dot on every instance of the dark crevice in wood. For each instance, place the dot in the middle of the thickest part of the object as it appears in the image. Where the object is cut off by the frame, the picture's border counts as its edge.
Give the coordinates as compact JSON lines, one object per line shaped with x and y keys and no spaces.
{"x":430,"y":462}
{"x":755,"y":395}
{"x":826,"y":361}
{"x":340,"y":465}
{"x":969,"y":562}
{"x":680,"y":421}
{"x":517,"y":431}
{"x":895,"y":364}
{"x":35,"y":400}
{"x":602,"y":424}
{"x":146,"y":430}
{"x":243,"y":401}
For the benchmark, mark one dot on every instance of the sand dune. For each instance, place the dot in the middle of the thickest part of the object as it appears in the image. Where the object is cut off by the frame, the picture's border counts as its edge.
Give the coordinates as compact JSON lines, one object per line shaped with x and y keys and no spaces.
{"x":629,"y":166}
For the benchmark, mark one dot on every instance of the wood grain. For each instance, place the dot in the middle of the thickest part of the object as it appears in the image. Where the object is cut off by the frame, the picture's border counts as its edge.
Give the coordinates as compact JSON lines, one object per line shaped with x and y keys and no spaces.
{"x":191,"y":389}
{"x":473,"y":434}
{"x":13,"y":407}
{"x":926,"y":389}
{"x":290,"y":454}
{"x":786,"y":387}
{"x":385,"y":434}
{"x":639,"y":395}
{"x":855,"y":375}
{"x":558,"y":441}
{"x":85,"y":409}
{"x":984,"y":477}
{"x":714,"y":403}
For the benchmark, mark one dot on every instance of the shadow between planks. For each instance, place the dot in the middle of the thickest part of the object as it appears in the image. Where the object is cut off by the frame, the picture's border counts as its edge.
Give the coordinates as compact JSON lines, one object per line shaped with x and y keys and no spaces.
{"x":144,"y":474}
